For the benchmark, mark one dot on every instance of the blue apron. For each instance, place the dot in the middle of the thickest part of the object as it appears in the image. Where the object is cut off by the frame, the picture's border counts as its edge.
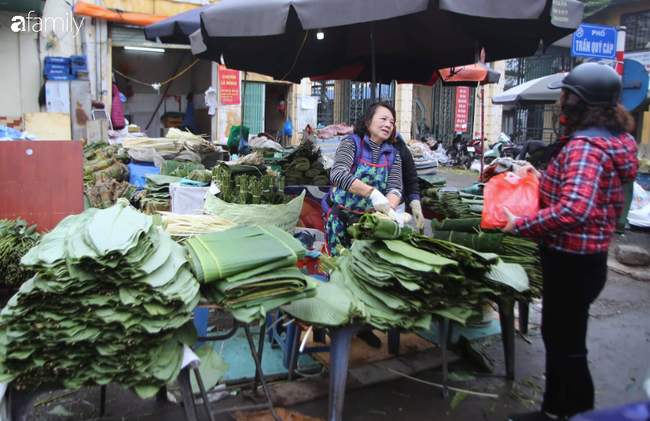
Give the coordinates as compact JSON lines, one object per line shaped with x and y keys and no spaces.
{"x":341,"y":208}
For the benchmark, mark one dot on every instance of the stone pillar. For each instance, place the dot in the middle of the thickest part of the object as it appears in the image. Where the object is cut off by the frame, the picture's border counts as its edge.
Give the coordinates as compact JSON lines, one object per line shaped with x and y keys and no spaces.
{"x":404,"y":109}
{"x":493,"y":113}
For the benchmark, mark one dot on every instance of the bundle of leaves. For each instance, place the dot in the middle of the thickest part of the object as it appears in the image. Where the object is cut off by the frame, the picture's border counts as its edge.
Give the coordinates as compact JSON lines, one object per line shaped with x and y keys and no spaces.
{"x":16,"y":238}
{"x":111,"y":301}
{"x":249,"y":284}
{"x":511,"y":249}
{"x":394,"y":278}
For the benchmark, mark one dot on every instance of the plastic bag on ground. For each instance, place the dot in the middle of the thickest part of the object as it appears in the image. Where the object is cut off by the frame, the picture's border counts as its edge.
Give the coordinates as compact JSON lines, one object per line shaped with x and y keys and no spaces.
{"x":640,"y":198}
{"x":519,"y":194}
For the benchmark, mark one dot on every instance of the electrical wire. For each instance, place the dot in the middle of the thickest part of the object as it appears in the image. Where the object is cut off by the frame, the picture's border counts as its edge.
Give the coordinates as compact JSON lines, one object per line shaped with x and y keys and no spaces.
{"x":163,"y":83}
{"x":298,"y":54}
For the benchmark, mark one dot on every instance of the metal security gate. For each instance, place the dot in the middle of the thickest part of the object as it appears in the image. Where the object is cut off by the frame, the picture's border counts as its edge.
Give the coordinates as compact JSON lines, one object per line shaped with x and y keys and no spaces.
{"x":324,"y":90}
{"x":535,"y":121}
{"x":358,"y":98}
{"x":444,"y":100}
{"x":254,"y":107}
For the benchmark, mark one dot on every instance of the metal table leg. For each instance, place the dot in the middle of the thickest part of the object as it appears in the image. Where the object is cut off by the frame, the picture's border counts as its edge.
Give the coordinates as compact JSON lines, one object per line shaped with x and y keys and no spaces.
{"x":524,"y":313}
{"x":102,"y":401}
{"x":204,"y":395}
{"x":339,"y":358}
{"x":186,"y":391}
{"x":293,"y":350}
{"x":258,"y":365}
{"x":260,"y":354}
{"x":442,"y":330}
{"x":507,"y":320}
{"x":393,"y":342}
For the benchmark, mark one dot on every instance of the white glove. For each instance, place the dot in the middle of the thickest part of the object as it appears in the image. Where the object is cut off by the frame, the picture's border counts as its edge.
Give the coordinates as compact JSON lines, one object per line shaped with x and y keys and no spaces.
{"x":416,"y":209}
{"x":397,"y":217}
{"x":379,"y":201}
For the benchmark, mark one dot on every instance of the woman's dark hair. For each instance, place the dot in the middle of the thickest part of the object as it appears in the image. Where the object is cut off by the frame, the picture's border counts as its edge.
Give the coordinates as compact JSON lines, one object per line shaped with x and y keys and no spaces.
{"x":579,"y":115}
{"x":361,"y":126}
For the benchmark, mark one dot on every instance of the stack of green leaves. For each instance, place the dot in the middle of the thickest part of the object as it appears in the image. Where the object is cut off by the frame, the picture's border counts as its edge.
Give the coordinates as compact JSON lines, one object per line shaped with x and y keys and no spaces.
{"x":157,"y":188}
{"x":111,"y":301}
{"x":401,"y":282}
{"x":179,"y":169}
{"x":454,"y":204}
{"x":250,"y":271}
{"x":16,"y":238}
{"x":511,"y":249}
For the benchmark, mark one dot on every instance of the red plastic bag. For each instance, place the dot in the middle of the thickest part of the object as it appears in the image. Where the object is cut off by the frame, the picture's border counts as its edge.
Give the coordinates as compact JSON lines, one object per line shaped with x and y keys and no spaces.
{"x":519,"y":195}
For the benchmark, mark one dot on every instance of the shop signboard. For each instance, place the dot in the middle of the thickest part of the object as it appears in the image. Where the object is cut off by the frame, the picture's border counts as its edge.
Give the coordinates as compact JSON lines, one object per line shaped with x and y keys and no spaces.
{"x":229,"y":85}
{"x":462,"y":110}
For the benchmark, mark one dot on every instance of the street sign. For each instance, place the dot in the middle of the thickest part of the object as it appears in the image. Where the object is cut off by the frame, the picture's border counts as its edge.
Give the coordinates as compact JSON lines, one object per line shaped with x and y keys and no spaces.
{"x":595,"y":41}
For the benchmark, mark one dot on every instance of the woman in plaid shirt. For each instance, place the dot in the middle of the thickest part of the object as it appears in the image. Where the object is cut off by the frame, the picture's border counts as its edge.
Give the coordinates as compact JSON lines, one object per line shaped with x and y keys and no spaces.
{"x":581,"y":196}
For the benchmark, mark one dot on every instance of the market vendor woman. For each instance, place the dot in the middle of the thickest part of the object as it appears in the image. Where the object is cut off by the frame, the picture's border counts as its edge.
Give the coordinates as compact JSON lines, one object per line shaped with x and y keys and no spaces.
{"x":581,"y":195}
{"x":366,"y":175}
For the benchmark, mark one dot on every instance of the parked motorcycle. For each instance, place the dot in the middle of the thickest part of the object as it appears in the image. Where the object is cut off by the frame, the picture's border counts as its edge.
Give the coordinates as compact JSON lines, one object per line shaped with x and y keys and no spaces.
{"x":459,"y":151}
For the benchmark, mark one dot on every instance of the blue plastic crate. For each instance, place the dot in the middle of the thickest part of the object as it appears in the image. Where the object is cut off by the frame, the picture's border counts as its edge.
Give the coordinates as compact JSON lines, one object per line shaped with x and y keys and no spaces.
{"x":78,"y":63}
{"x":57,"y":66}
{"x":59,"y":78}
{"x":57,"y":60}
{"x":56,"y":72}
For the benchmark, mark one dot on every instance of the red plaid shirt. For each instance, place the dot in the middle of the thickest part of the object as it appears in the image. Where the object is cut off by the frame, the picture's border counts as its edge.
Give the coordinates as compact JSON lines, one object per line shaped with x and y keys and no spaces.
{"x":581,"y":193}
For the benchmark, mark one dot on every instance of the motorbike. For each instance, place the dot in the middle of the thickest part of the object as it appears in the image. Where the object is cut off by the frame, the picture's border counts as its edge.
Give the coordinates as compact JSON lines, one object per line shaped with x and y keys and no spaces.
{"x":459,"y":151}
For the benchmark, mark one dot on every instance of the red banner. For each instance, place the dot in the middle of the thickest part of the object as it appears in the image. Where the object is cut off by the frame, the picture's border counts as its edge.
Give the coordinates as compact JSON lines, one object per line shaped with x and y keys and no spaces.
{"x":229,"y":84}
{"x":462,"y":109}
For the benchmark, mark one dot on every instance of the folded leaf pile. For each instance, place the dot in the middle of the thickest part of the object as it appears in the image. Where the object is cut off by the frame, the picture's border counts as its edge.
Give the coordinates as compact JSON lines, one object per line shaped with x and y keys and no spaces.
{"x":511,"y":249}
{"x":401,"y":282}
{"x":157,"y":197}
{"x":111,"y":301}
{"x":16,"y":238}
{"x":249,"y":270}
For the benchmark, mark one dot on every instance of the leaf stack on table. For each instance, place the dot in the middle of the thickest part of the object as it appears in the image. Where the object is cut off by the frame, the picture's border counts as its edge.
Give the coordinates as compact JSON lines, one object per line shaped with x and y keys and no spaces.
{"x":155,"y":195}
{"x":16,"y":238}
{"x":511,"y":249}
{"x":111,"y":301}
{"x":395,"y":278}
{"x":250,"y":271}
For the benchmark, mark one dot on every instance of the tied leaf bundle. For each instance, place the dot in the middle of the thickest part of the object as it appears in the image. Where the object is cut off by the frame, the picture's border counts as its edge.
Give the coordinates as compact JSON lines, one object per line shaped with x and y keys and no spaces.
{"x":304,"y":167}
{"x":106,"y":192}
{"x":249,"y":189}
{"x":16,"y":238}
{"x":111,"y":301}
{"x":511,"y":249}
{"x":249,"y":284}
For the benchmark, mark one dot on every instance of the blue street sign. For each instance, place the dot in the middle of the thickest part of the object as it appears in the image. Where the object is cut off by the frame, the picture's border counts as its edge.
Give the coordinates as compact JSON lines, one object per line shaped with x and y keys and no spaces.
{"x":595,"y":41}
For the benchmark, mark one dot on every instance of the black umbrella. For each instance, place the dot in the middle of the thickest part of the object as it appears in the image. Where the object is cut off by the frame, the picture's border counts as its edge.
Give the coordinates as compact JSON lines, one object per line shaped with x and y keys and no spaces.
{"x":176,"y":29}
{"x":280,"y":38}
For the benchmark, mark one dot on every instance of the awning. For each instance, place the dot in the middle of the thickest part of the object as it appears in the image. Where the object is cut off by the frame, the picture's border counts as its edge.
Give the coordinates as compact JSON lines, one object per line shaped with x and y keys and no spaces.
{"x":94,"y":11}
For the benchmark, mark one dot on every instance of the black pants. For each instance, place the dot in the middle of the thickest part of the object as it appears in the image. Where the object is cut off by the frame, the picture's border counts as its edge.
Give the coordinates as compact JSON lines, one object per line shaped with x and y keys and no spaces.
{"x":571,"y":283}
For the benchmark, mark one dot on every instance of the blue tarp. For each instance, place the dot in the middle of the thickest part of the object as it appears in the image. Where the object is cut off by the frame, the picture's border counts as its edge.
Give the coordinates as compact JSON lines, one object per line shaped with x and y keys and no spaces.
{"x":138,"y":171}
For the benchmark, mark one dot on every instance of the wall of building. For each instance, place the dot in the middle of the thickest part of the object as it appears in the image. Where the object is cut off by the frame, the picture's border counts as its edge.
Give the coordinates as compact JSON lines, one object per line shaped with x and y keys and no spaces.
{"x":20,"y":69}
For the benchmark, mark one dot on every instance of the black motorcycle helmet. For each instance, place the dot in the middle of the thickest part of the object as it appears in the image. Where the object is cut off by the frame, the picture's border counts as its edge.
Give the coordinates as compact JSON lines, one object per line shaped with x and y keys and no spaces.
{"x":595,"y":83}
